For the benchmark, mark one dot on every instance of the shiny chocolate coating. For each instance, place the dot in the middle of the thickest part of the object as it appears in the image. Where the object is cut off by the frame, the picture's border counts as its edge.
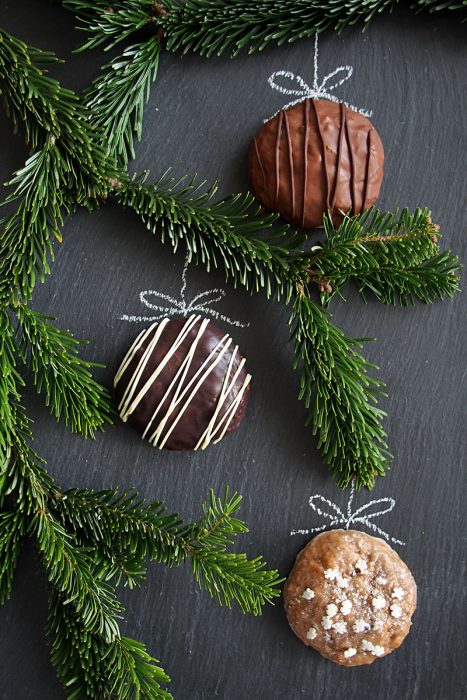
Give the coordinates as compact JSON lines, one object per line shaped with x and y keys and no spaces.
{"x":315,"y":157}
{"x":176,"y":378}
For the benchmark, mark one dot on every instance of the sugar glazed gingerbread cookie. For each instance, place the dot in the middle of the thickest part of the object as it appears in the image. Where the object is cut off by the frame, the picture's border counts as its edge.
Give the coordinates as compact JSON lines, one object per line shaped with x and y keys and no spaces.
{"x":350,"y":597}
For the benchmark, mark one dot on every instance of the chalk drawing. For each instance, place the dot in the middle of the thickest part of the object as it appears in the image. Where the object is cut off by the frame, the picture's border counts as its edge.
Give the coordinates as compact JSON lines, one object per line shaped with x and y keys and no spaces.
{"x":297,"y":87}
{"x":363,"y":515}
{"x":181,"y":306}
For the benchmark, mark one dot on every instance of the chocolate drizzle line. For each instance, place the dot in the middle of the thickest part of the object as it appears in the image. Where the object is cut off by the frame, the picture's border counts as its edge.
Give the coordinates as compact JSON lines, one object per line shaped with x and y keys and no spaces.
{"x":277,"y":153}
{"x":260,"y":162}
{"x":189,"y":379}
{"x":367,"y":169}
{"x":352,"y":168}
{"x":323,"y":145}
{"x":305,"y":156}
{"x":339,"y":153}
{"x":289,"y":146}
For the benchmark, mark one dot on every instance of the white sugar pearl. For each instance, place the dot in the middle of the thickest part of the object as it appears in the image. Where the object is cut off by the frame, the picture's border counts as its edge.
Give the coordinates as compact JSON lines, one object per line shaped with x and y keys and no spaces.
{"x":331,"y":610}
{"x":331,"y":574}
{"x":360,"y":626}
{"x":361,"y":566}
{"x":373,"y":648}
{"x":342,"y":582}
{"x":340,"y":627}
{"x":326,"y":623}
{"x":396,"y":610}
{"x":381,"y":581}
{"x":308,"y":594}
{"x":377,"y":650}
{"x":367,"y":646}
{"x":346,"y":607}
{"x":311,"y":634}
{"x":398,"y":593}
{"x":378,"y":602}
{"x":348,"y":653}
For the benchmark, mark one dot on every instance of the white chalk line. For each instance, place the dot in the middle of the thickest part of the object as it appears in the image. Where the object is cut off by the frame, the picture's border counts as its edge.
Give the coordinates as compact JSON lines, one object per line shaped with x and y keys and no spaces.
{"x":338,"y":517}
{"x":318,"y":91}
{"x":181,"y":307}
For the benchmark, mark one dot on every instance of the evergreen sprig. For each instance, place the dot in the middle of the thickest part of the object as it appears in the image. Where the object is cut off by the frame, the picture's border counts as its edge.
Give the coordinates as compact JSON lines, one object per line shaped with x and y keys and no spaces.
{"x":12,"y":532}
{"x":90,"y":667}
{"x":68,"y":166}
{"x":108,"y":25}
{"x":340,"y":394}
{"x":69,"y":389}
{"x":230,"y":233}
{"x":129,"y":531}
{"x":210,"y":27}
{"x":394,"y":255}
{"x":116,"y":99}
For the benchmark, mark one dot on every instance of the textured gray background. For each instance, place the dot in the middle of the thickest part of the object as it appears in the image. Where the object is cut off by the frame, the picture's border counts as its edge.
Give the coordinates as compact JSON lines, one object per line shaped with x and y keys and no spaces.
{"x":411,"y":72}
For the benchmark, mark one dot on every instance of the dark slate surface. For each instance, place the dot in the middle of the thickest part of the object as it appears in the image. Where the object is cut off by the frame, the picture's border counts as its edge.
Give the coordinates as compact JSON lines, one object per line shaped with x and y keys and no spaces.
{"x":410,"y":71}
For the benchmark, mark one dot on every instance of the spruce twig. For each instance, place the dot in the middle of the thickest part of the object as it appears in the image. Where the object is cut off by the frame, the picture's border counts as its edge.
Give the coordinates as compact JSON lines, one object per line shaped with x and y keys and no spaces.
{"x":341,"y":396}
{"x":395,"y":255}
{"x":230,"y":233}
{"x":12,"y":532}
{"x":211,"y":27}
{"x":61,"y":375}
{"x":90,"y":667}
{"x":116,"y":99}
{"x":129,"y":532}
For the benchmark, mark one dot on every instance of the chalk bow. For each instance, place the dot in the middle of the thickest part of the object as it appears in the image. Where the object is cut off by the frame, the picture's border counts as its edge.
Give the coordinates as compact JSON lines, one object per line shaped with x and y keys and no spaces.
{"x":181,"y":307}
{"x":364,"y":515}
{"x":296,"y":86}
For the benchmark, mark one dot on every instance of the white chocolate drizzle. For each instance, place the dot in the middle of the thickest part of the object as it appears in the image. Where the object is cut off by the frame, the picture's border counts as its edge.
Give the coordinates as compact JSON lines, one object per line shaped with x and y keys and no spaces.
{"x":180,"y":391}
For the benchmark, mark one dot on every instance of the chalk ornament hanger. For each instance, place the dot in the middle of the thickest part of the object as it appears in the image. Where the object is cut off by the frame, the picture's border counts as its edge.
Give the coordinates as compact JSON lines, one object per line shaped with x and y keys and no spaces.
{"x":364,"y":515}
{"x":288,"y":83}
{"x":201,"y":303}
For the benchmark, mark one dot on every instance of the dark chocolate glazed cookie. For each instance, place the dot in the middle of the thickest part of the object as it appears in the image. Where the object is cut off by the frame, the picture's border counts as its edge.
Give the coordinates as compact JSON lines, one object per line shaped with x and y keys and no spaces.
{"x":182,"y":384}
{"x":314,"y":157}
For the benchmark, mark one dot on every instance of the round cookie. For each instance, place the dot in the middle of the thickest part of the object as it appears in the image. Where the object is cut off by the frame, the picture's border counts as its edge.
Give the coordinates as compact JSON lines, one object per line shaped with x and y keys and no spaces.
{"x":182,"y":384}
{"x":313,"y":157}
{"x":350,"y":597}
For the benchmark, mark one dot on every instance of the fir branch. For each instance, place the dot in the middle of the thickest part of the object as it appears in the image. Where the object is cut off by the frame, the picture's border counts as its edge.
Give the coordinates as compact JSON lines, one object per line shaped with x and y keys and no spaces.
{"x":28,"y":232}
{"x":341,"y":396}
{"x":228,"y":233}
{"x":116,"y":99}
{"x":211,"y":27}
{"x":88,"y":666}
{"x":10,"y":383}
{"x":68,"y":167}
{"x":61,"y":375}
{"x":32,"y":100}
{"x":438,"y":6}
{"x":12,"y":531}
{"x":110,"y":24}
{"x":52,"y":115}
{"x":228,"y":576}
{"x":70,"y":570}
{"x":394,"y":255}
{"x":231,"y":577}
{"x":133,"y":531}
{"x":128,"y":531}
